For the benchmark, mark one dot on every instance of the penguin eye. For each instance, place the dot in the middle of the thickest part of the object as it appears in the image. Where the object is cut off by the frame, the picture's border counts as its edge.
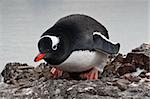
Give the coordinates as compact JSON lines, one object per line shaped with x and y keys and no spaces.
{"x":54,"y":47}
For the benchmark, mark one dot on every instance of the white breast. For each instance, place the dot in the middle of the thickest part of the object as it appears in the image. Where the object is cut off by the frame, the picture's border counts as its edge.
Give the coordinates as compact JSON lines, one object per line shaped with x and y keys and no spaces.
{"x":80,"y":61}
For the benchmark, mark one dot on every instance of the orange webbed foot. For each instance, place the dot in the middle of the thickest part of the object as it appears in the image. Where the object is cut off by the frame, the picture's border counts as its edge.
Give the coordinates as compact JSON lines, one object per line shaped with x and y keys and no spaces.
{"x":56,"y":72}
{"x":91,"y":75}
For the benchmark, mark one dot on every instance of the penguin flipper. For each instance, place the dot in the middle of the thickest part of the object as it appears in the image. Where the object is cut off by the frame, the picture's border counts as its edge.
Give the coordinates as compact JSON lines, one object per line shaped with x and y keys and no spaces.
{"x":101,"y":44}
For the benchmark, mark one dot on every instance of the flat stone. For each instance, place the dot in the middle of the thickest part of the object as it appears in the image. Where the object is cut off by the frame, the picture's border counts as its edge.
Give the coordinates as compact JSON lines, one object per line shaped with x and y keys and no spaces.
{"x":122,"y":84}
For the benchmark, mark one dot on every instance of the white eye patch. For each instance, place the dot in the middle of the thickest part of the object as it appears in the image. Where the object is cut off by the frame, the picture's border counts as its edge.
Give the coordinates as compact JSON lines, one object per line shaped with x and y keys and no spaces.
{"x":55,"y":40}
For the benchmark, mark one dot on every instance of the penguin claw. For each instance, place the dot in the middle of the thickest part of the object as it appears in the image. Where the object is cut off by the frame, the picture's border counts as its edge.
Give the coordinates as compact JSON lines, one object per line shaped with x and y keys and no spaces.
{"x":92,"y":75}
{"x":56,"y":72}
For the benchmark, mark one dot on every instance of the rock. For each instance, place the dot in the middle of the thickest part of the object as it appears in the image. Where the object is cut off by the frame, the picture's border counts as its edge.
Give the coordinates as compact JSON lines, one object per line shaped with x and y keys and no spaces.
{"x":110,"y":68}
{"x":138,"y":58}
{"x":0,"y":78}
{"x":16,"y":73}
{"x":125,"y":76}
{"x":139,"y":92}
{"x":73,"y":89}
{"x":43,"y":87}
{"x":126,"y":68}
{"x":9,"y":72}
{"x":122,"y":84}
{"x":25,"y":67}
{"x":144,"y":49}
{"x":131,"y":78}
{"x":119,"y":58}
{"x":147,"y":75}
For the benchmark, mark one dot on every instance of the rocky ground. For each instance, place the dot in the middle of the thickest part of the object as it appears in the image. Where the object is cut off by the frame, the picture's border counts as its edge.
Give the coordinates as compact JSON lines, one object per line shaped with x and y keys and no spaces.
{"x":124,"y":77}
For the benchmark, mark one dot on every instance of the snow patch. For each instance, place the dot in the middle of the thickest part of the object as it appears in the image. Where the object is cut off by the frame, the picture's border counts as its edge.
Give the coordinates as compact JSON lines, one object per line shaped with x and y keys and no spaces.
{"x":88,"y":88}
{"x":133,"y":85}
{"x":71,"y":87}
{"x":138,"y":72}
{"x":27,"y":91}
{"x":147,"y":74}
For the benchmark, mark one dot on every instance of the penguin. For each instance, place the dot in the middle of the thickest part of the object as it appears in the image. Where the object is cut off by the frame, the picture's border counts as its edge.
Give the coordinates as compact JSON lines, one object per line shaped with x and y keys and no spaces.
{"x":76,"y":43}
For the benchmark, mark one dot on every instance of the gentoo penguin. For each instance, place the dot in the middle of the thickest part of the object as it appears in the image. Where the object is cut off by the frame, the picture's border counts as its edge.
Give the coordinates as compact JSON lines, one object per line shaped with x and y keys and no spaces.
{"x":76,"y":43}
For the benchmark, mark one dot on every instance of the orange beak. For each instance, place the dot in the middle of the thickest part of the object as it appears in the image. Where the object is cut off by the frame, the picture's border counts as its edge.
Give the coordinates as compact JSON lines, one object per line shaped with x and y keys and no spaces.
{"x":39,"y":57}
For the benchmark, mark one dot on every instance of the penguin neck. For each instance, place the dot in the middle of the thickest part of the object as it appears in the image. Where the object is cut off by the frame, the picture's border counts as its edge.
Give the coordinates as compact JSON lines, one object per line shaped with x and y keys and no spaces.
{"x":66,"y":49}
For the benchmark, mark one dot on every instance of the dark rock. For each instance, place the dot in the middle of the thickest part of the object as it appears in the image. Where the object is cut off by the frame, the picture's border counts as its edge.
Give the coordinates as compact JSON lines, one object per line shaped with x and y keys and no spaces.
{"x":130,"y":77}
{"x":126,"y":68}
{"x":138,"y":58}
{"x":122,"y":78}
{"x":122,"y":84}
{"x":16,"y":73}
{"x":140,"y":92}
{"x":110,"y":68}
{"x":142,"y":75}
{"x":119,"y":58}
{"x":143,"y":48}
{"x":69,"y":89}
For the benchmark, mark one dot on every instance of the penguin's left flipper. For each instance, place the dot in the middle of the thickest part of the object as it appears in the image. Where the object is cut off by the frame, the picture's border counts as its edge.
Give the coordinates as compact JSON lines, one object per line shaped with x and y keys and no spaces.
{"x":102,"y":44}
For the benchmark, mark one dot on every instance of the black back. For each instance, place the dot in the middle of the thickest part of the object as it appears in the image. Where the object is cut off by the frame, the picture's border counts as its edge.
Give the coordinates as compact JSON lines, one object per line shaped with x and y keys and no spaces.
{"x":76,"y":33}
{"x":78,"y":29}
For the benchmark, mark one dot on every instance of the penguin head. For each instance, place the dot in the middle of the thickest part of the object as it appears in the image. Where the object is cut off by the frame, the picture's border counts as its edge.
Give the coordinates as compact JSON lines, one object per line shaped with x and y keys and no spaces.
{"x":48,"y":47}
